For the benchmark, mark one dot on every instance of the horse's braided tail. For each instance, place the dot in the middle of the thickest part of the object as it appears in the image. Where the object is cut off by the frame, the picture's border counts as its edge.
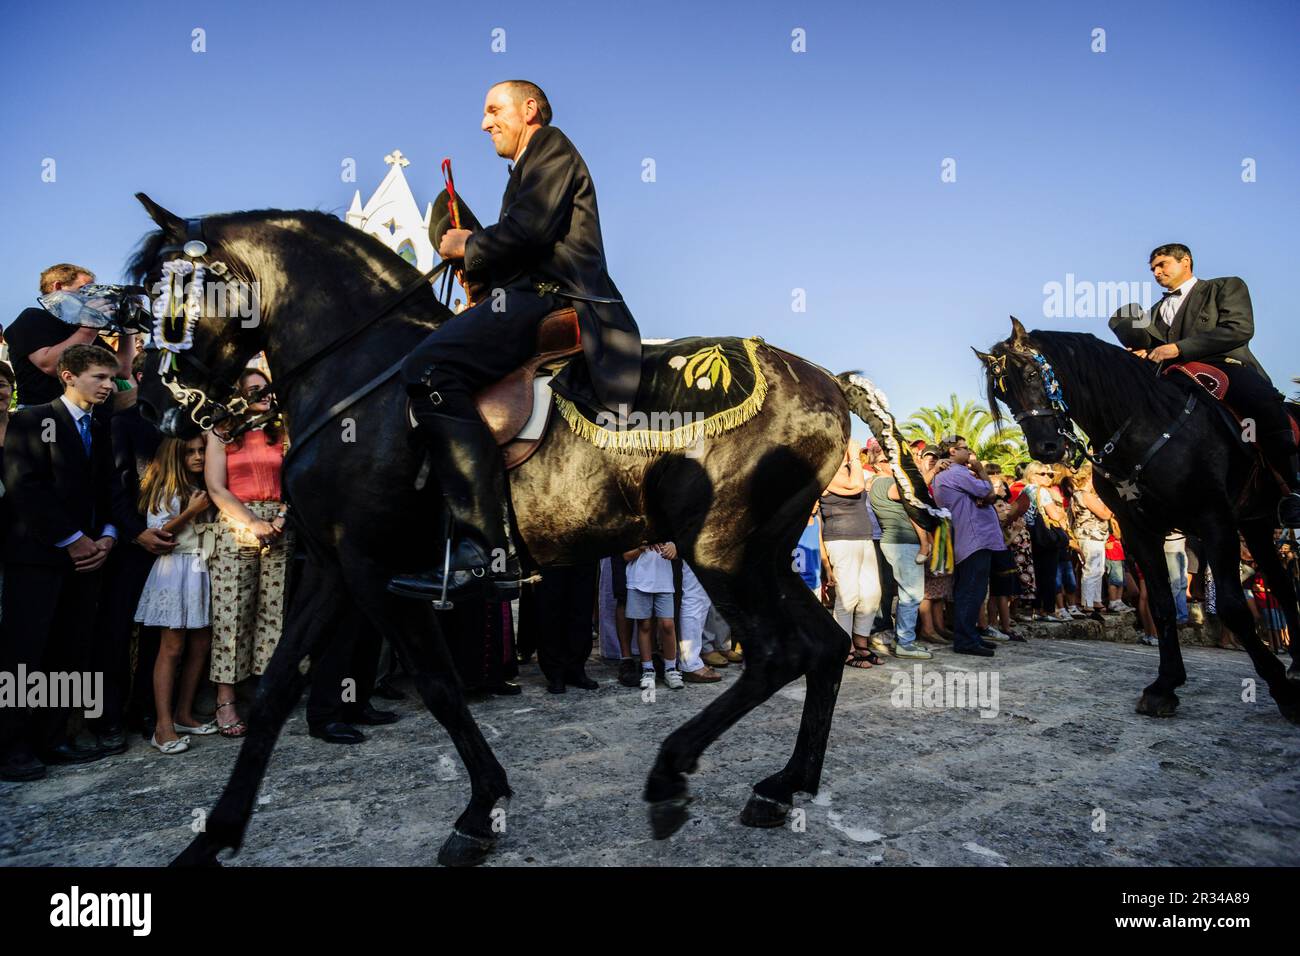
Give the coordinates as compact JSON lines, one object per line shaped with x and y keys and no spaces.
{"x":870,"y":404}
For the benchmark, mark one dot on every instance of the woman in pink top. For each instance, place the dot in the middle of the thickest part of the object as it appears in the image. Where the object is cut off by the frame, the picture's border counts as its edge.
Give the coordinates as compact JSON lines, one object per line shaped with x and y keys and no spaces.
{"x":250,"y":561}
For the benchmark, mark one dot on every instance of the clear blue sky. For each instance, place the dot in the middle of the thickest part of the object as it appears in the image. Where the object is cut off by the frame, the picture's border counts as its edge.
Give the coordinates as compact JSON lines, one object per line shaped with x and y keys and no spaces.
{"x":775,"y":170}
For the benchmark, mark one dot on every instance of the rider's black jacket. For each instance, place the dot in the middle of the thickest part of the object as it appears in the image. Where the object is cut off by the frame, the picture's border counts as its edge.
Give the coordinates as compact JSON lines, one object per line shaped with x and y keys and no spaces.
{"x":549,"y":232}
{"x":1215,"y":324}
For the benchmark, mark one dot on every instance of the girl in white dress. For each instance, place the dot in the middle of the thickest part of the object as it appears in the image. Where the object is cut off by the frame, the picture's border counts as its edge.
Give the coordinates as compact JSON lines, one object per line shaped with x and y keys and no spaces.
{"x":177,"y":596}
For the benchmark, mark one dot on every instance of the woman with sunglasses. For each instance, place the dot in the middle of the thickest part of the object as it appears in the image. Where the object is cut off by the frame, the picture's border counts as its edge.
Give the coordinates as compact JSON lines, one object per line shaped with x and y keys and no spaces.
{"x":250,"y":561}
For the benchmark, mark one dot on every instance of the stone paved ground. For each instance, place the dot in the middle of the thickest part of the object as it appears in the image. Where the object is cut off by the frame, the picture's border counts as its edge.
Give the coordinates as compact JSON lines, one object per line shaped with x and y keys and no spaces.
{"x":1216,"y":785}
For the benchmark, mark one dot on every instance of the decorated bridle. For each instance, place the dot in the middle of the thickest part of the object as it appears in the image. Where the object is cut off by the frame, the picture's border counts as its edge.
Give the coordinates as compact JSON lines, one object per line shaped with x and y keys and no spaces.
{"x":1056,"y":407}
{"x":1127,"y":486}
{"x":177,"y":311}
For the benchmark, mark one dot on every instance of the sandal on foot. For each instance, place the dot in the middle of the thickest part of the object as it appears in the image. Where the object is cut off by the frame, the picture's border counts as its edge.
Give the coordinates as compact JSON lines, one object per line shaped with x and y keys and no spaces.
{"x":863,"y":657}
{"x":237,"y":729}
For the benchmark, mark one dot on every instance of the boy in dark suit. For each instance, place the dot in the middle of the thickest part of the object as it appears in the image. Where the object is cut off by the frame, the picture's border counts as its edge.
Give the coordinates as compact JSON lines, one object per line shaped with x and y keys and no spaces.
{"x":58,"y":472}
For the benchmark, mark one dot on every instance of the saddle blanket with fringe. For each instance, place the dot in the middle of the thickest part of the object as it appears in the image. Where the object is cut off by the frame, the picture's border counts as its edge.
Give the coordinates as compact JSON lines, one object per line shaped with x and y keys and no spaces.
{"x":691,"y":389}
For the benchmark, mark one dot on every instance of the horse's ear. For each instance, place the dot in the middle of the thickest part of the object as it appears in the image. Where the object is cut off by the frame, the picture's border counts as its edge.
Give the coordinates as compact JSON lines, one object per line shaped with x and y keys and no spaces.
{"x":984,"y":357}
{"x":1018,"y":333}
{"x":170,"y":223}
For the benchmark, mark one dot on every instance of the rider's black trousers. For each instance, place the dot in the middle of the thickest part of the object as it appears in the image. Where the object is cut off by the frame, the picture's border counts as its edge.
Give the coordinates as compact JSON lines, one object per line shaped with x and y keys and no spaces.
{"x":1254,"y":397}
{"x":480,"y":346}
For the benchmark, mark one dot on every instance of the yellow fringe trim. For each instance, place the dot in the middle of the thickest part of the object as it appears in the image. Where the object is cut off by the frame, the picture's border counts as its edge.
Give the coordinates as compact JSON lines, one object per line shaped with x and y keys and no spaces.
{"x":646,"y":441}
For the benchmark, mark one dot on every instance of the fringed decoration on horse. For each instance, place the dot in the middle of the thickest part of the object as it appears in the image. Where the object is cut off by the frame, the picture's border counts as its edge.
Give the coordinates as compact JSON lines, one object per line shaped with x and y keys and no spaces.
{"x":706,"y":386}
{"x":883,"y":426}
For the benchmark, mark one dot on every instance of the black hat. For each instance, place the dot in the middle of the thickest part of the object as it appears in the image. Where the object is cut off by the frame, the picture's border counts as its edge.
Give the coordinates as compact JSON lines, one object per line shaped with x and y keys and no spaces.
{"x":1130,"y":324}
{"x":440,"y":221}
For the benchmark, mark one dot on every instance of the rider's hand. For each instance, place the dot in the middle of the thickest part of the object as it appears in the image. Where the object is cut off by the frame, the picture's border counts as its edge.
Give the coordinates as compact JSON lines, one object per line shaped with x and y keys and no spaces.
{"x":452,"y":245}
{"x":668,"y":550}
{"x":1163,"y":353}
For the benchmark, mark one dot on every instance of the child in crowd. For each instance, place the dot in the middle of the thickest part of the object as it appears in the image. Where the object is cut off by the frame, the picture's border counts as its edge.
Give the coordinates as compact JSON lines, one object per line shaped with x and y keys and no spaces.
{"x":650,"y":598}
{"x":1115,"y":572}
{"x":177,"y":595}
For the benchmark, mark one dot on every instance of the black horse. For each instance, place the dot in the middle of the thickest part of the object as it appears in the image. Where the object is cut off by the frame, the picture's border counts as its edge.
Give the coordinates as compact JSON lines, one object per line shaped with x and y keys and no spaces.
{"x":1165,"y":457}
{"x":735,"y":508}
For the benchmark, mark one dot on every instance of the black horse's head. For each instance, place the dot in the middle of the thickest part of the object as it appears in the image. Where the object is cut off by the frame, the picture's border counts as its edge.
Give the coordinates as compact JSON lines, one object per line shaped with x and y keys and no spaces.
{"x":1020,"y":376}
{"x":204,"y":332}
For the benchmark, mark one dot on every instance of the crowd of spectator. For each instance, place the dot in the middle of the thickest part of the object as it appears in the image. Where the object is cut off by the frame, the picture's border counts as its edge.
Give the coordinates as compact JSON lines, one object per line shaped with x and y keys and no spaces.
{"x":166,"y":564}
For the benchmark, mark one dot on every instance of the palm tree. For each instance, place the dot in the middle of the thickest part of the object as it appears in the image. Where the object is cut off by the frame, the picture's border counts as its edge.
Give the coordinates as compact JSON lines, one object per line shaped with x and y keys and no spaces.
{"x":1004,"y":445}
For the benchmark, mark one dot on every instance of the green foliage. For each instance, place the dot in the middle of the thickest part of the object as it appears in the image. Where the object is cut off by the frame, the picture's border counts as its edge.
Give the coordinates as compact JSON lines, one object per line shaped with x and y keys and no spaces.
{"x":1004,"y":446}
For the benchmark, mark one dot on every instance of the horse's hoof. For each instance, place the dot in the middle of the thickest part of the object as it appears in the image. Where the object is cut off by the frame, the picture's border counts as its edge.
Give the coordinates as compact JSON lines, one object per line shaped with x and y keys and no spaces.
{"x":1157,"y":705}
{"x":465,"y":849}
{"x":668,"y":816}
{"x":764,"y":812}
{"x":201,"y":852}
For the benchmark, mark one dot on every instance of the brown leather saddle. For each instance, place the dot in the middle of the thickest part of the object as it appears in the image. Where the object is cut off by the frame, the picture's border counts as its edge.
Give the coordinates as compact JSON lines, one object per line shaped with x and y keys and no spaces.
{"x":518,"y":408}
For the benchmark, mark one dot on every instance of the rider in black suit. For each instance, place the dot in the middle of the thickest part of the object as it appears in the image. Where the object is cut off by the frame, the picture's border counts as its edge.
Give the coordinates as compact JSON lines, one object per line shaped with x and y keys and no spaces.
{"x":1210,"y":321}
{"x":545,"y":249}
{"x":60,"y":538}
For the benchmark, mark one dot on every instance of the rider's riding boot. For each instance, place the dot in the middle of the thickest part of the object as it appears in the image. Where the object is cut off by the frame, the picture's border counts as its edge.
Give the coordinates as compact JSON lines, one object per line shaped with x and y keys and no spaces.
{"x":467,"y":463}
{"x":1280,"y":450}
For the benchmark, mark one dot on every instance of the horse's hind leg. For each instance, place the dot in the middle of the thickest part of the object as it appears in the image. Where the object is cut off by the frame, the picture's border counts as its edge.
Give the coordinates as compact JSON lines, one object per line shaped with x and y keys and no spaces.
{"x":773,"y":797}
{"x":1259,"y":538}
{"x":317,"y":603}
{"x":748,"y":599}
{"x":413,"y":629}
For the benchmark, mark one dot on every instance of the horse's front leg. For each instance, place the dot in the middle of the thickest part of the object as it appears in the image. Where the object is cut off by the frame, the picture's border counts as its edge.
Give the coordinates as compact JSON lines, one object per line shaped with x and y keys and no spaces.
{"x":413,"y":629}
{"x":317,"y":605}
{"x":1158,"y":698}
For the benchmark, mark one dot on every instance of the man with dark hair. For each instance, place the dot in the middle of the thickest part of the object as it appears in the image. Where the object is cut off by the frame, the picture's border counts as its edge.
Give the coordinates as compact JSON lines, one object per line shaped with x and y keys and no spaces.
{"x":544,"y":253}
{"x":962,"y":486}
{"x":37,"y":338}
{"x":950,"y":442}
{"x":58,"y":472}
{"x":1210,"y":321}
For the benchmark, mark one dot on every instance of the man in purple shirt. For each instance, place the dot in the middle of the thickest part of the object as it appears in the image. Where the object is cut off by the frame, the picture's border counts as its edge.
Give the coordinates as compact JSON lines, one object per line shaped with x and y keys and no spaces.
{"x":964,"y":489}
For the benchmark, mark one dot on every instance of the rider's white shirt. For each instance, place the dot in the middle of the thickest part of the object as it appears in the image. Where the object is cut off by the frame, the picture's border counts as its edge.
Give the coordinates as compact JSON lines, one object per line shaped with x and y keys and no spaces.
{"x":1170,"y":306}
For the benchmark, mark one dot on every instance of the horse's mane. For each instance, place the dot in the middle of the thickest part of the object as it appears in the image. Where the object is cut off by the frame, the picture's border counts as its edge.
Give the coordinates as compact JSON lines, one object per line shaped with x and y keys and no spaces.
{"x":1116,"y":382}
{"x":374,"y":264}
{"x":145,"y":256}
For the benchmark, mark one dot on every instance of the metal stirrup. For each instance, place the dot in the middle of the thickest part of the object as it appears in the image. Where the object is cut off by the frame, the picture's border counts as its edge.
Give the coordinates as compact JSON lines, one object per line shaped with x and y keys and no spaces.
{"x":442,"y":604}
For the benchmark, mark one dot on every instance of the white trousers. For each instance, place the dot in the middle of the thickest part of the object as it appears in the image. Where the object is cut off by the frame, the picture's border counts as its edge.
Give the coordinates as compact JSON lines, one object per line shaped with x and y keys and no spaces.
{"x":1094,"y":569}
{"x":695,"y":609}
{"x":857,"y":584}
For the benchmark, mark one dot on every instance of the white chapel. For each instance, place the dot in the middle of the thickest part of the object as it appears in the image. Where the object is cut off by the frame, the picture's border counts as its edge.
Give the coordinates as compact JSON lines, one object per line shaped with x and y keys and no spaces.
{"x":393,"y":215}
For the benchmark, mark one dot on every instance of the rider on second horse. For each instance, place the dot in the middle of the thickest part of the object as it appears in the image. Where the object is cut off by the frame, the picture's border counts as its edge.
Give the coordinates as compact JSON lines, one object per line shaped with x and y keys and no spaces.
{"x":545,"y":248}
{"x":1210,"y":321}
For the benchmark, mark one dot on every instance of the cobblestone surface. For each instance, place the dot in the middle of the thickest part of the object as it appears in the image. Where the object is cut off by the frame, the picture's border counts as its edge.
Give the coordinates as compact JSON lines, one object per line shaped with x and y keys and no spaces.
{"x":1034,"y":785}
